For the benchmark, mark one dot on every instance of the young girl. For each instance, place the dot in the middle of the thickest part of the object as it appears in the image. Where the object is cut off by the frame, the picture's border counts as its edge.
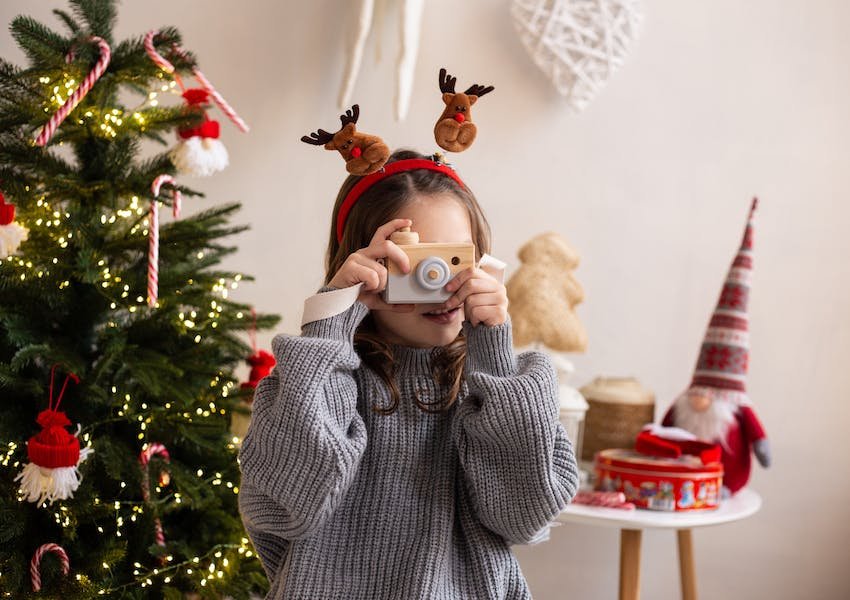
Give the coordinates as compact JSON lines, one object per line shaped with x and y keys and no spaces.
{"x":397,"y":451}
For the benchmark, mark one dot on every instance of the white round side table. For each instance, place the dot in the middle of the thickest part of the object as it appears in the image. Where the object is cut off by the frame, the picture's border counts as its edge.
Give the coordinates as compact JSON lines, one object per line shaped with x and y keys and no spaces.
{"x":632,"y":522}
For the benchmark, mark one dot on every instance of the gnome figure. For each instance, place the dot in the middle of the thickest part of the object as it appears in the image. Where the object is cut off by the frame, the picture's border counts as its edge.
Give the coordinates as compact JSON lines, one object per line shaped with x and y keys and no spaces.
{"x":55,"y":456}
{"x":199,"y":152}
{"x":716,"y":407}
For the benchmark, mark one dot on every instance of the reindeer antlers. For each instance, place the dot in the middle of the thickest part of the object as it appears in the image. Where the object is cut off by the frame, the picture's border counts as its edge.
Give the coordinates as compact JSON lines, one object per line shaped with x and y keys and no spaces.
{"x":351,"y":115}
{"x":447,"y":86}
{"x":318,"y":138}
{"x":322,"y":137}
{"x":447,"y":82}
{"x":478,"y":90}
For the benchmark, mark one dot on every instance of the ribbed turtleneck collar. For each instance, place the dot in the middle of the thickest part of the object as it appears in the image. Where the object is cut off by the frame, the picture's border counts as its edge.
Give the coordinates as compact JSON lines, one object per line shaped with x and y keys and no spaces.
{"x":410,"y":359}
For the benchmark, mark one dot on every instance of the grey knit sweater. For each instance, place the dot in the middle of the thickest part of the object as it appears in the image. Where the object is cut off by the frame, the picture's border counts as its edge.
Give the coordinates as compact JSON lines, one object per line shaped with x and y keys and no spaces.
{"x":344,"y":503}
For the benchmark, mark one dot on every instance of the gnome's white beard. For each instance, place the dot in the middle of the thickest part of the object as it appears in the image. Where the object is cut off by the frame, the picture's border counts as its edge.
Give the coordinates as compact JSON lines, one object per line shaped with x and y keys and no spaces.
{"x":11,"y":236}
{"x":199,"y":157}
{"x":710,"y":425}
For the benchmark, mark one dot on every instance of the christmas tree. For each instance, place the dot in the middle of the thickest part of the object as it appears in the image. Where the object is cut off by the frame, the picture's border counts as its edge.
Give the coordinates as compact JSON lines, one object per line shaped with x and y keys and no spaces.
{"x":137,"y":488}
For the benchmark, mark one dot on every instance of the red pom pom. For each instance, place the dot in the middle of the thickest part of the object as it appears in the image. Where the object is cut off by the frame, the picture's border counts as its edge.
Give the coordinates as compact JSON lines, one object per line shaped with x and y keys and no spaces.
{"x":459,"y":117}
{"x":196,"y":96}
{"x":356,"y":152}
{"x":52,"y":418}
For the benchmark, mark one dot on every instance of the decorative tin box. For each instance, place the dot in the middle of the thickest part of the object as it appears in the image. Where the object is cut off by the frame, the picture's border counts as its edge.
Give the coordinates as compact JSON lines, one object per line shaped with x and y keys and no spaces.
{"x":660,"y":483}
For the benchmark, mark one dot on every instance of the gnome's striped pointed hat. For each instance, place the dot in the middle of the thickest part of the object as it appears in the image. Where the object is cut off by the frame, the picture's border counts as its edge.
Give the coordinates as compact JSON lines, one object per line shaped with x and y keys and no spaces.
{"x":724,"y":358}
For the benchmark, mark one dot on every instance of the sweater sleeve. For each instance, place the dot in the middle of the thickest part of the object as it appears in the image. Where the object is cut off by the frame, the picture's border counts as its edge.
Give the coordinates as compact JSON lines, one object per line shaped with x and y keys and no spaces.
{"x":517,"y":462}
{"x":306,"y":439}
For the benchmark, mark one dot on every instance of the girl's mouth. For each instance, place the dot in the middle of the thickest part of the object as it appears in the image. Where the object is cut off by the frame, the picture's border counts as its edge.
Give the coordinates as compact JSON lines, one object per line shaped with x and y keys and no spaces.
{"x":442,"y":317}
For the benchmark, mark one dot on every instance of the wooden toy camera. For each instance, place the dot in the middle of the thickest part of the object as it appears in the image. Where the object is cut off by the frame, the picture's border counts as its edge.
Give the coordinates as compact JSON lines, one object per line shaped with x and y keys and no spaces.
{"x":432,"y":265}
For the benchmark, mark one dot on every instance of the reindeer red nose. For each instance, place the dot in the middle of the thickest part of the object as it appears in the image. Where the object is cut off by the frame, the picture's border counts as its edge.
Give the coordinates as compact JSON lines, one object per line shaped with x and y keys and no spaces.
{"x":459,"y":117}
{"x":356,"y":152}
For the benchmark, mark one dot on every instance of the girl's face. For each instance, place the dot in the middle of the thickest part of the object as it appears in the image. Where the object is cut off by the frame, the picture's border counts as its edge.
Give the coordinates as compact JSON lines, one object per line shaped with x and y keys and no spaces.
{"x":436,"y":218}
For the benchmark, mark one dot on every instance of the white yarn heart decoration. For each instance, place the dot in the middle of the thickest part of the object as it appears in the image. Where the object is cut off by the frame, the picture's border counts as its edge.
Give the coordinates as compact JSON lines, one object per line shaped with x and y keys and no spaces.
{"x":577,"y":43}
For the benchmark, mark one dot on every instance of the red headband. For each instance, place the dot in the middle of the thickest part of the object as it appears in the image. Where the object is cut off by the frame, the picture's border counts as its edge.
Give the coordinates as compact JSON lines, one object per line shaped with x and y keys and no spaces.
{"x":392,"y":168}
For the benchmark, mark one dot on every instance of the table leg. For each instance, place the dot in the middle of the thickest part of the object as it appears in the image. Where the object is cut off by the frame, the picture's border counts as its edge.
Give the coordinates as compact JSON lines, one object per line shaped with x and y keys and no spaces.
{"x":686,"y":564}
{"x":630,"y":564}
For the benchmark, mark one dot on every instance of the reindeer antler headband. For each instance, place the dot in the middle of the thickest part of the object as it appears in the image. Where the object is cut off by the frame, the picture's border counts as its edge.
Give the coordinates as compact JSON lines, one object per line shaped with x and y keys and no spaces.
{"x":365,"y":155}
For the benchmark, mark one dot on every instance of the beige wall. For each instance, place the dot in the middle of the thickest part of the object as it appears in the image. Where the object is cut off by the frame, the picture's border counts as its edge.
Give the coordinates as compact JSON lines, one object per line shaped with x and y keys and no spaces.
{"x":719,"y":101}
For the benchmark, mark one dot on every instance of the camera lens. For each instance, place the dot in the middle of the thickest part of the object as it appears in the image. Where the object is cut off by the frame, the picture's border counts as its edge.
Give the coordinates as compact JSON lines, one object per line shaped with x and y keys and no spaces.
{"x":432,"y":273}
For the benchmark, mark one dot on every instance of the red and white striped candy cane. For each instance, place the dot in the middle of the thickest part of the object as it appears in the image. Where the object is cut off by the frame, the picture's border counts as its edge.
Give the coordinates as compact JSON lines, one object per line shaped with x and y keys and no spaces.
{"x":35,"y":563}
{"x":154,"y":449}
{"x":153,"y":235}
{"x":606,"y":499}
{"x":56,"y":119}
{"x":166,"y":66}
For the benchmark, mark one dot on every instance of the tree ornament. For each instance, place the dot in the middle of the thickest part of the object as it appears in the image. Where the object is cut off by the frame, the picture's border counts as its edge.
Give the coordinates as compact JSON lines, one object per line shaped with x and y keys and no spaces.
{"x":199,"y":152}
{"x":35,"y":563}
{"x":54,"y":453}
{"x":261,"y":362}
{"x":11,"y":233}
{"x":578,"y":45}
{"x":99,"y":68}
{"x":150,"y":450}
{"x":153,"y":234}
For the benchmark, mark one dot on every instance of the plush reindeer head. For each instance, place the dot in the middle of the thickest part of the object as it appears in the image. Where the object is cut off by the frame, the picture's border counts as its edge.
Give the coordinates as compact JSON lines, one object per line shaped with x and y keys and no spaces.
{"x":455,"y":130}
{"x":363,"y":153}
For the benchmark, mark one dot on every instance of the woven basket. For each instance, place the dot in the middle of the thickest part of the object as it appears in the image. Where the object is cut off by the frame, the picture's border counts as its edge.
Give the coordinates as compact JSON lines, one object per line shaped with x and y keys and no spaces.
{"x":618,"y":408}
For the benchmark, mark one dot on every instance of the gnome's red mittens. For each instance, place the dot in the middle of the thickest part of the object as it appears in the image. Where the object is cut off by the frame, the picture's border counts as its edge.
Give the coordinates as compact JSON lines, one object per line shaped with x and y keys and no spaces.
{"x":262,"y":363}
{"x":653,"y":442}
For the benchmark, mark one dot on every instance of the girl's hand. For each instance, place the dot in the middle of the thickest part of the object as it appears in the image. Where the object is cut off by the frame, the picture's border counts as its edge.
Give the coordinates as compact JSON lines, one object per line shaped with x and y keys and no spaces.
{"x":364,"y":266}
{"x":484,"y":297}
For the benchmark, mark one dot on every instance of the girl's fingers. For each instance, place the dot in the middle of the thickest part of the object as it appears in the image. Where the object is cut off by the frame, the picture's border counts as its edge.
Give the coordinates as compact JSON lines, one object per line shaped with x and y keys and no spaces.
{"x":388,"y":249}
{"x":374,"y":265}
{"x":387,"y":229}
{"x":489,"y":315}
{"x":370,"y":278}
{"x":481,"y":300}
{"x":474,"y":285}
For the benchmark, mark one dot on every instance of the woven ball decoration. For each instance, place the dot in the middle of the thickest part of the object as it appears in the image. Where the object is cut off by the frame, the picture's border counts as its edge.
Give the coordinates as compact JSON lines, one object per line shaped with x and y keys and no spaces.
{"x":577,"y":43}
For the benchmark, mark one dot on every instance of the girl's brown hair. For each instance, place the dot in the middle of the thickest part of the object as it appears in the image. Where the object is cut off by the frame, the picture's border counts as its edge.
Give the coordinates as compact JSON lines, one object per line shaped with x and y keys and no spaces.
{"x":378,"y":205}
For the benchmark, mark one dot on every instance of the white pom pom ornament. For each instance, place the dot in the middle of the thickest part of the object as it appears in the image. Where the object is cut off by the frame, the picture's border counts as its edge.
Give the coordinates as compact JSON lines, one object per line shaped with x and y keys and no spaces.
{"x":199,"y":153}
{"x":11,"y":233}
{"x":55,"y":455}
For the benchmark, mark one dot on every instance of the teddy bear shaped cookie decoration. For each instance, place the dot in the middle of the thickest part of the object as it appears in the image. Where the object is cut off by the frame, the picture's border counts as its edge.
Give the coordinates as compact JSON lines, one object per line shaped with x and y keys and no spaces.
{"x":455,"y":130}
{"x":363,"y":153}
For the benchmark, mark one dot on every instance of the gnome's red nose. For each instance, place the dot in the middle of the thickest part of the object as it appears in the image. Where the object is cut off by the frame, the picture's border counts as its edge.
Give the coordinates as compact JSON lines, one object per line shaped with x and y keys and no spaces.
{"x":356,"y":152}
{"x":459,"y":117}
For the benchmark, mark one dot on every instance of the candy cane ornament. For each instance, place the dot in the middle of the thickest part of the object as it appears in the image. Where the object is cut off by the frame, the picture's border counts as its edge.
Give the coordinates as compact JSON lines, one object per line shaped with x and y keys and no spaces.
{"x":153,"y":234}
{"x":71,"y":103}
{"x":150,"y":450}
{"x":166,"y":66}
{"x":35,"y":563}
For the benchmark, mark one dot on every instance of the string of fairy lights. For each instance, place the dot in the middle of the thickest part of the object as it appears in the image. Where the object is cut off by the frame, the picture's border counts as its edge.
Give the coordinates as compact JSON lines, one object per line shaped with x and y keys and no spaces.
{"x":52,"y":223}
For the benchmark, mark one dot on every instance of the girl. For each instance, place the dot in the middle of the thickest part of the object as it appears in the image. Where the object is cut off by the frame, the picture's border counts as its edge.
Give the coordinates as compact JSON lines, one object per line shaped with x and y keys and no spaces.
{"x":397,"y":451}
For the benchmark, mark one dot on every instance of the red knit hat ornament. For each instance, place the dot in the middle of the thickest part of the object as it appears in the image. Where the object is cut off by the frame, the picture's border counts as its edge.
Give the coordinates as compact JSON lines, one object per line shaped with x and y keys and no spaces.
{"x":261,"y":362}
{"x":54,"y":453}
{"x":199,"y":152}
{"x":11,"y":233}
